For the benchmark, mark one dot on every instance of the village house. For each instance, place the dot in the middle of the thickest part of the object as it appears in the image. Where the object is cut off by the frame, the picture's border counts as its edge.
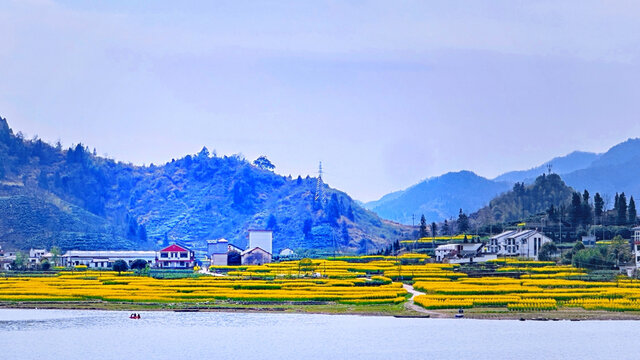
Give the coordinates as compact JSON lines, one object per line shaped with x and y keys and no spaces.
{"x":287,"y":253}
{"x":260,"y":248}
{"x":446,"y":251}
{"x":36,"y":256}
{"x":217,"y":252}
{"x":519,"y":243}
{"x":496,"y":241}
{"x":255,"y":256}
{"x":636,"y":241}
{"x":105,"y":259}
{"x":6,"y":258}
{"x":459,"y":253}
{"x":176,"y":257}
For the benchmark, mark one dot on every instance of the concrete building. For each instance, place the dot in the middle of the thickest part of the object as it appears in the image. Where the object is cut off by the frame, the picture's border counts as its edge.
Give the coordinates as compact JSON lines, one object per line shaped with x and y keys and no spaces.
{"x":217,"y":251}
{"x":462,"y":253}
{"x":255,"y":256}
{"x":497,"y":240}
{"x":36,"y":256}
{"x":105,"y":259}
{"x":636,"y":241}
{"x":446,"y":251}
{"x":519,"y":243}
{"x":176,"y":257}
{"x":262,"y":239}
{"x":6,"y":258}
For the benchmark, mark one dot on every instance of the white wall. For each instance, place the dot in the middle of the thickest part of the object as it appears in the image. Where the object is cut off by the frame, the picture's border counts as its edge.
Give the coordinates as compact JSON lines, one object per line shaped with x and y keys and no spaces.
{"x":219,"y":259}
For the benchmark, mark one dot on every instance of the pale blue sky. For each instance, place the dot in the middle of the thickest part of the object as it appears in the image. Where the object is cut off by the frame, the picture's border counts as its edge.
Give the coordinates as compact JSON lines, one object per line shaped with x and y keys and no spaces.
{"x":385,"y":93}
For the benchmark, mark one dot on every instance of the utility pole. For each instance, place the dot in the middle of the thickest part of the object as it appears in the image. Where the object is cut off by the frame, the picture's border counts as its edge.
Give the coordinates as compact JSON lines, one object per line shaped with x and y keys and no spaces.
{"x":319,"y":196}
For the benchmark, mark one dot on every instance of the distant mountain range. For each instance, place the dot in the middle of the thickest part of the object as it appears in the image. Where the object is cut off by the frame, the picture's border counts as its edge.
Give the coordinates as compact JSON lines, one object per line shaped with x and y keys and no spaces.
{"x":74,"y":199}
{"x":442,"y":197}
{"x":438,"y":198}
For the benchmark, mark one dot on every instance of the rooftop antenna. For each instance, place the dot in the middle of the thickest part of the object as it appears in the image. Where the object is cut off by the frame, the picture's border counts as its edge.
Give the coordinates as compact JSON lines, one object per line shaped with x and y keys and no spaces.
{"x":319,"y":186}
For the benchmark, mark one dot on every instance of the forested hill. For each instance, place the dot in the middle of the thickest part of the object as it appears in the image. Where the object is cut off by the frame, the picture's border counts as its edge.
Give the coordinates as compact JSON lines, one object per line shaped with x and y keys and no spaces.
{"x":526,"y":200}
{"x":77,"y":200}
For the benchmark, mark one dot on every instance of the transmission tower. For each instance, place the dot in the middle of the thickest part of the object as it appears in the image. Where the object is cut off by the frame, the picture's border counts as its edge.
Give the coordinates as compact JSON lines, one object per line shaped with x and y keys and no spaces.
{"x":319,"y":187}
{"x":549,"y":166}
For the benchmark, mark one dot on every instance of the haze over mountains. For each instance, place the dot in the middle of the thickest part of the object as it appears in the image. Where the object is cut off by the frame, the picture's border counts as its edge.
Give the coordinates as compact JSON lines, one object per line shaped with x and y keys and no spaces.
{"x":441,"y":197}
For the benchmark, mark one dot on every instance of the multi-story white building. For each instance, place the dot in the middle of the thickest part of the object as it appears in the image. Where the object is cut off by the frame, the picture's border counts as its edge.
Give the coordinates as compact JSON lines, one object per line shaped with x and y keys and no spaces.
{"x":636,"y":242}
{"x":522,"y":243}
{"x":35,"y":256}
{"x":262,"y":239}
{"x":176,"y":257}
{"x":497,"y":241}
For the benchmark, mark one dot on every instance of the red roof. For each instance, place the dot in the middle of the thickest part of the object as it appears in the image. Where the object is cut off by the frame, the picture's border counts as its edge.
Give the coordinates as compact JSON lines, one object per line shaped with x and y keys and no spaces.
{"x":174,"y":247}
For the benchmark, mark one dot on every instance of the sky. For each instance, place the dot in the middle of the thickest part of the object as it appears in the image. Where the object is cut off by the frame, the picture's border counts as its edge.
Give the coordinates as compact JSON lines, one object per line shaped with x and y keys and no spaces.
{"x":384,"y":93}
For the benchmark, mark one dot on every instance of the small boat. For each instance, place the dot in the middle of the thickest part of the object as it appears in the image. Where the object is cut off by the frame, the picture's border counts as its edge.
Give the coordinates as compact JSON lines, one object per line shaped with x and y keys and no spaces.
{"x":134,"y":316}
{"x":459,"y":316}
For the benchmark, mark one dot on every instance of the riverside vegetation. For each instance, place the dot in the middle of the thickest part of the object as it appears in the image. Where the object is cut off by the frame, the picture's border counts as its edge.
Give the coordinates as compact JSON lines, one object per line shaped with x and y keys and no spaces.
{"x":364,"y":284}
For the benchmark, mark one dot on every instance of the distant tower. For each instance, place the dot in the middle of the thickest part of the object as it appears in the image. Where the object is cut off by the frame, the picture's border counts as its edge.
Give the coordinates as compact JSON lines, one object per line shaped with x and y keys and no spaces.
{"x":549,"y":166}
{"x":319,"y":187}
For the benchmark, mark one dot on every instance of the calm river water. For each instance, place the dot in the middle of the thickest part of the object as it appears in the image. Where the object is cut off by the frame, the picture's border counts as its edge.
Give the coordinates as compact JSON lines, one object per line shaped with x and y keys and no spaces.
{"x":72,"y":334}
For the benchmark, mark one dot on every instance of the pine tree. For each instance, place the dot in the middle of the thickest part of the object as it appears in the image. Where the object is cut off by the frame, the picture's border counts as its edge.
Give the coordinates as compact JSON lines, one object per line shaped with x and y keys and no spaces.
{"x":587,"y":213}
{"x":598,"y":204}
{"x":622,"y":210}
{"x":552,"y":214}
{"x":463,"y":222}
{"x":445,"y":228}
{"x":423,"y":226}
{"x":434,"y":229}
{"x":633,"y":215}
{"x":575,"y":211}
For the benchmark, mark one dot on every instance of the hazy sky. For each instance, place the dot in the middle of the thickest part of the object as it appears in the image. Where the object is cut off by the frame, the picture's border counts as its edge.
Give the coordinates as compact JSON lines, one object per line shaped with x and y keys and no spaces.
{"x":385,"y":93}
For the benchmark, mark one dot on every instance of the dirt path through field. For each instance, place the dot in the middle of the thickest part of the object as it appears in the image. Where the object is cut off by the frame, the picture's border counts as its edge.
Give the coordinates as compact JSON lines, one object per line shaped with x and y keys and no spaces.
{"x":410,"y":305}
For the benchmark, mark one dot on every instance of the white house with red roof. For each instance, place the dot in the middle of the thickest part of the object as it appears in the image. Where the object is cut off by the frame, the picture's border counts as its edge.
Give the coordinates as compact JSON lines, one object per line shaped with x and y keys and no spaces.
{"x":176,"y":257}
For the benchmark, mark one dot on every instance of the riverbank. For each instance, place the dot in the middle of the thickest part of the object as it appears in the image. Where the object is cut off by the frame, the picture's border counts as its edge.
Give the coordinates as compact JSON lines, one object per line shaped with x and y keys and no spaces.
{"x":320,"y":308}
{"x":395,"y":310}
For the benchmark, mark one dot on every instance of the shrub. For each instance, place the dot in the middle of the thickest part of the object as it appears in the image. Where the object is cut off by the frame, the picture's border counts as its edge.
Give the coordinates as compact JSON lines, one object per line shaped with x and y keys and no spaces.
{"x":120,"y":266}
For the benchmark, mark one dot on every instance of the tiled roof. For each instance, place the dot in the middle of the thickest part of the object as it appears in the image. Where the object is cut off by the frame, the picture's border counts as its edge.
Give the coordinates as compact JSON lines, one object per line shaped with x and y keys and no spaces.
{"x":174,"y":247}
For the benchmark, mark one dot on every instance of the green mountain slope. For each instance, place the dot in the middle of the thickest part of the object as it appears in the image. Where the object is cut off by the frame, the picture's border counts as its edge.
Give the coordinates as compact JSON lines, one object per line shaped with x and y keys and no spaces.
{"x":75,"y":199}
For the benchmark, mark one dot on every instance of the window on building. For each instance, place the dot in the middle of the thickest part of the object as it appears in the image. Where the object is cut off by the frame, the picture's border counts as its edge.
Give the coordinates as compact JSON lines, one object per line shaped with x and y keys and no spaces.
{"x":164,"y":255}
